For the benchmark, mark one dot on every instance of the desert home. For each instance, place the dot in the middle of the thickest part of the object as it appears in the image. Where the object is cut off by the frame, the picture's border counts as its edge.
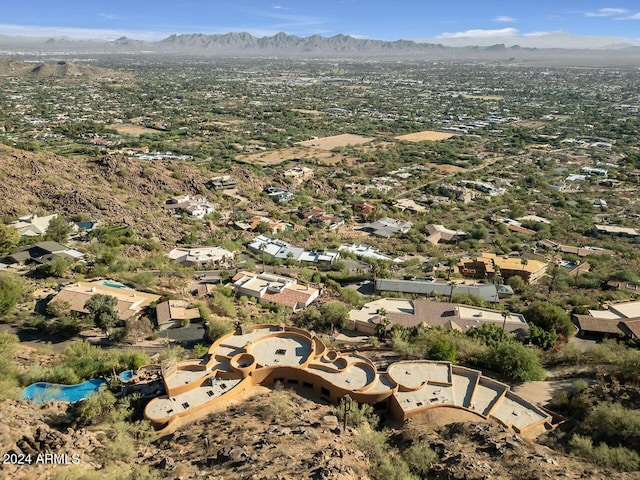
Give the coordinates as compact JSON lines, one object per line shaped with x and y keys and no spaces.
{"x":272,"y":354}
{"x":174,"y":313}
{"x":488,"y":265}
{"x":276,"y":248}
{"x":618,"y":319}
{"x":33,"y":225}
{"x":42,"y":253}
{"x":427,"y":313}
{"x":197,"y":206}
{"x":131,"y":303}
{"x":200,"y":256}
{"x":276,"y":289}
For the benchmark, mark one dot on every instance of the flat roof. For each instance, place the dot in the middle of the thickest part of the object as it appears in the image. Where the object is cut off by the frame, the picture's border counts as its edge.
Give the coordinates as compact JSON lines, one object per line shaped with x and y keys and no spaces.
{"x":282,"y":350}
{"x":627,"y":309}
{"x":416,"y":385}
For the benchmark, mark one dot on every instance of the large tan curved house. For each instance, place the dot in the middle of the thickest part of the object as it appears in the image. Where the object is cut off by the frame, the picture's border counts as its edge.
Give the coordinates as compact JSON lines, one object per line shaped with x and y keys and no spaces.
{"x":268,"y":354}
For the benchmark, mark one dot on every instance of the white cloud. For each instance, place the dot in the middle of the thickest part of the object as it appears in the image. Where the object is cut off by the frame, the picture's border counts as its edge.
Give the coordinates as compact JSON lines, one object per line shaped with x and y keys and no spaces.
{"x":538,"y":34}
{"x":607,"y":12}
{"x":503,"y":32}
{"x":635,"y":16}
{"x":504,"y":19}
{"x":107,"y":16}
{"x":280,"y":7}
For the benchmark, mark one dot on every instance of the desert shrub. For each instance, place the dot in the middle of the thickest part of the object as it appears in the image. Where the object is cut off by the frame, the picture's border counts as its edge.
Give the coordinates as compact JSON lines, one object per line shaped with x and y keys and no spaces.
{"x":612,"y":423}
{"x":620,"y":458}
{"x":514,"y":360}
{"x":443,"y":349}
{"x":279,"y":406}
{"x":357,"y":414}
{"x":627,"y":366}
{"x":419,"y":457}
{"x":111,"y":472}
{"x":223,"y":305}
{"x":12,"y":290}
{"x":199,"y":350}
{"x":218,"y":328}
{"x":119,"y":447}
{"x":8,"y":371}
{"x":385,"y":463}
{"x":95,"y":408}
{"x":488,"y":333}
{"x":545,"y":339}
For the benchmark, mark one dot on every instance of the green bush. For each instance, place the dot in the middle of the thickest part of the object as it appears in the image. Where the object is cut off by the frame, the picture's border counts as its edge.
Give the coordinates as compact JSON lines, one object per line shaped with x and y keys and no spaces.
{"x":218,"y":328}
{"x":612,"y":423}
{"x":8,"y":371}
{"x":385,"y":464}
{"x":223,"y":305}
{"x":95,"y":408}
{"x":12,"y":291}
{"x":443,"y":349}
{"x":420,"y":457}
{"x":514,"y":360}
{"x":279,"y":407}
{"x":620,"y":458}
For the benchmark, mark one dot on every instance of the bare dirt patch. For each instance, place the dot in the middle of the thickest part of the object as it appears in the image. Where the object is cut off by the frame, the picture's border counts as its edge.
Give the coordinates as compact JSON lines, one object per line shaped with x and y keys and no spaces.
{"x":329,"y":143}
{"x":445,"y":167}
{"x":308,"y":112}
{"x":540,"y":392}
{"x":130,"y":129}
{"x":427,"y":135}
{"x":485,"y":97}
{"x":276,"y":157}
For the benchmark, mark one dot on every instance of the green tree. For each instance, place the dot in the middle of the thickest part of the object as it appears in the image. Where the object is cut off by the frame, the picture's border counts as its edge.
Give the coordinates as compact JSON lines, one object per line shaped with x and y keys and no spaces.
{"x":102,"y":311}
{"x":58,"y":229}
{"x":12,"y":291}
{"x":550,"y":317}
{"x":545,"y":339}
{"x":335,"y":313}
{"x":517,"y":283}
{"x":488,"y":333}
{"x":217,"y":328}
{"x":58,"y":267}
{"x":9,"y":238}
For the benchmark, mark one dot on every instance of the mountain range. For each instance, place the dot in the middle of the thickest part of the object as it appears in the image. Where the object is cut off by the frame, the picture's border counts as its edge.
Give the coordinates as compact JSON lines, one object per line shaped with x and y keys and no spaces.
{"x":282,"y":44}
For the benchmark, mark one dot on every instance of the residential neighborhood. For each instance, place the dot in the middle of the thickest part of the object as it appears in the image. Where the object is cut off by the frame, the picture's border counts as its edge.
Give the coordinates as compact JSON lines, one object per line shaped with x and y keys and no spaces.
{"x":301,"y":256}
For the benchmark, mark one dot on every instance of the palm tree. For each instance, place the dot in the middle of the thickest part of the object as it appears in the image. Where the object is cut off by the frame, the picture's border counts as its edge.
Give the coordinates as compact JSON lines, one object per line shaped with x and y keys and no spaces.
{"x":524,"y":262}
{"x":505,"y":314}
{"x":262,"y":248}
{"x":289,"y":261}
{"x":452,"y":285}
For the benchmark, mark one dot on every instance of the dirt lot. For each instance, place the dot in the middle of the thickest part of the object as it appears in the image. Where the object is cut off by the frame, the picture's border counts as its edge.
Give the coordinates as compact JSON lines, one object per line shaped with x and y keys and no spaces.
{"x":484,"y":97}
{"x":445,"y":167}
{"x":276,"y":157}
{"x":329,"y":143}
{"x":427,"y":135}
{"x":308,"y":112}
{"x":129,"y":129}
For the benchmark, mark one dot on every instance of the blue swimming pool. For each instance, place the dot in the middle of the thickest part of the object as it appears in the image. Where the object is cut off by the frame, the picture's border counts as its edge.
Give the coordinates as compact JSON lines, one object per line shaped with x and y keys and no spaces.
{"x":127,"y":375}
{"x":46,"y":392}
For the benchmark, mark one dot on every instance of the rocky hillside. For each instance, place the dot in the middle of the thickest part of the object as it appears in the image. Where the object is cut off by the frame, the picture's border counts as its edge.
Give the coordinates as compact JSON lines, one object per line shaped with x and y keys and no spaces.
{"x":109,"y":188}
{"x":61,"y":70}
{"x":262,"y":439}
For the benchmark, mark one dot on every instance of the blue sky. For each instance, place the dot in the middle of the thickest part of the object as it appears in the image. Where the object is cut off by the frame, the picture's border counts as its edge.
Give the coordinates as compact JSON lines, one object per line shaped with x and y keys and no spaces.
{"x":380,"y":19}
